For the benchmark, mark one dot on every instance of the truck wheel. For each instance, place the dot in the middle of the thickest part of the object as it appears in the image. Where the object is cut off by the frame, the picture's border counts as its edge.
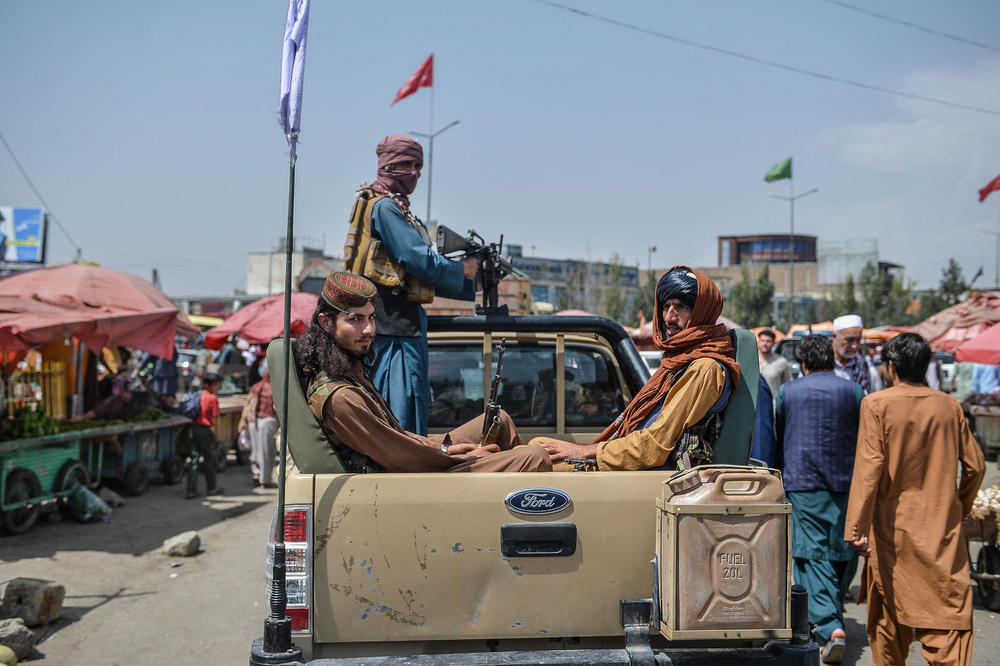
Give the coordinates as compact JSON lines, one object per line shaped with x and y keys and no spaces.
{"x":173,"y":470}
{"x":221,"y":457}
{"x":136,"y":479}
{"x":988,"y":562}
{"x":71,"y":475}
{"x":22,"y":484}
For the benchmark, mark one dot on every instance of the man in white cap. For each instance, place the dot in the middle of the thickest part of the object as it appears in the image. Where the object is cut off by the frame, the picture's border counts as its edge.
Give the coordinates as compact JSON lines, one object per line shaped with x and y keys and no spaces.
{"x":848,"y":361}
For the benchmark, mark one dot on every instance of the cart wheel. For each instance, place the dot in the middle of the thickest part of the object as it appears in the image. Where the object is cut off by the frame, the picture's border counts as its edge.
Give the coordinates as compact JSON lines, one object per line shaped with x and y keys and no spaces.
{"x":988,"y":562}
{"x":221,"y":456}
{"x":136,"y":479}
{"x":173,"y":470}
{"x":72,"y":474}
{"x":22,"y":484}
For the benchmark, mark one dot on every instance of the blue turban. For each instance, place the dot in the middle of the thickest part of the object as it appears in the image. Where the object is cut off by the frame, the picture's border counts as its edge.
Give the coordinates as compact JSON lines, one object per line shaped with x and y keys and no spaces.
{"x":680,"y":283}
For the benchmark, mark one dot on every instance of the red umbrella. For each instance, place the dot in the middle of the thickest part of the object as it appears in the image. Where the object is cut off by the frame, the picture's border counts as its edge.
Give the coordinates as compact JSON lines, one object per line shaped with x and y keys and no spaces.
{"x":264,"y":320}
{"x":97,"y":305}
{"x":984,"y":348}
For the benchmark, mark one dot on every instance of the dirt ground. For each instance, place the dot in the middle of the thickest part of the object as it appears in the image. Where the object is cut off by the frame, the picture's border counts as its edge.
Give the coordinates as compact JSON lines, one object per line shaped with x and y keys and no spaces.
{"x":126,"y":604}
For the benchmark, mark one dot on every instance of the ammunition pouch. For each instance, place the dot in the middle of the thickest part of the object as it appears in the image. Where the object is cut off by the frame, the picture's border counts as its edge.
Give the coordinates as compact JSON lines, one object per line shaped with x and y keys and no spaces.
{"x":366,"y":255}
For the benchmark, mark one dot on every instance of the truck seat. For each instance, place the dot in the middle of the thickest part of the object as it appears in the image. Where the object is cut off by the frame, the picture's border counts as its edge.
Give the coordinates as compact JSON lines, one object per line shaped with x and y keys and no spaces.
{"x":733,"y":445}
{"x":307,"y":442}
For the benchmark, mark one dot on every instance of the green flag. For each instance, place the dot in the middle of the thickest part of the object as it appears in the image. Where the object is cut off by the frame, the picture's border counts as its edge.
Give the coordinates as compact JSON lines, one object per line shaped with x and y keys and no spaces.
{"x":779,"y":171}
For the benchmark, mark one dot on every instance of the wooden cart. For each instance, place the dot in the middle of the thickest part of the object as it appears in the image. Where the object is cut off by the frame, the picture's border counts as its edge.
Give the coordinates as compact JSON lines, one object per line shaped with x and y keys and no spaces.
{"x":986,"y":570}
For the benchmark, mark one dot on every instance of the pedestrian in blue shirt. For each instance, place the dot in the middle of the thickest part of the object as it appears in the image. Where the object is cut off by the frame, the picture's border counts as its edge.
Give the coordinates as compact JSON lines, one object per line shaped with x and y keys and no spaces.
{"x":816,"y":423}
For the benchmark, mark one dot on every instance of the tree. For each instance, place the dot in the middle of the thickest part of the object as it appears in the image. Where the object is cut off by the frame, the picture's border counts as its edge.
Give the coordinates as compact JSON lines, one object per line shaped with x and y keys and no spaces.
{"x":846,"y":303}
{"x":642,"y":304}
{"x":614,"y":299}
{"x":749,"y":301}
{"x":949,"y":291}
{"x":883,"y":300}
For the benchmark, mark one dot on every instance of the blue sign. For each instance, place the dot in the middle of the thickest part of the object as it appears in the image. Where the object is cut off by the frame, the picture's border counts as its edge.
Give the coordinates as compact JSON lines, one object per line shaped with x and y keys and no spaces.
{"x":22,"y":234}
{"x":537,"y":501}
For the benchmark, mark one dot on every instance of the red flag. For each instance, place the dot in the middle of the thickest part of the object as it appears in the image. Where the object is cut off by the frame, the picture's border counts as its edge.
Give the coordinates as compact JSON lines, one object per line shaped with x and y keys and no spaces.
{"x":994,"y":186}
{"x":424,"y":76}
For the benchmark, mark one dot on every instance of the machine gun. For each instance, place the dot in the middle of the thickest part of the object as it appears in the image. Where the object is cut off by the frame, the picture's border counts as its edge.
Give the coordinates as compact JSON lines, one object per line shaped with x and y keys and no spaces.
{"x":491,"y":420}
{"x":492,"y":266}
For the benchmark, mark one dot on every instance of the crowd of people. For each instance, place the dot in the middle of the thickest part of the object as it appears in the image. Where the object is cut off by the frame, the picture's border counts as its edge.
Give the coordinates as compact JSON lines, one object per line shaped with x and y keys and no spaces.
{"x":869,"y":460}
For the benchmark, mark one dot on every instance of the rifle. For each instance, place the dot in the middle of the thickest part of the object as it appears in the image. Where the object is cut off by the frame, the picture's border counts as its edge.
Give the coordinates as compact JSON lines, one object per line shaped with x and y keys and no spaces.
{"x":492,"y":266}
{"x":491,"y":420}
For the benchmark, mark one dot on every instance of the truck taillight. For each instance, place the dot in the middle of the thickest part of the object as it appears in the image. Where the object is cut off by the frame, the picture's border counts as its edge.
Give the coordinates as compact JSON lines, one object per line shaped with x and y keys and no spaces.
{"x":298,"y":564}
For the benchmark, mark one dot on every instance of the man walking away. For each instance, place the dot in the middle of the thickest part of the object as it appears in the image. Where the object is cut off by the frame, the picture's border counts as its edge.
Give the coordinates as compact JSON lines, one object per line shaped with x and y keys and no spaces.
{"x":773,"y":367}
{"x":816,"y":421}
{"x":906,"y":513}
{"x":203,"y":440}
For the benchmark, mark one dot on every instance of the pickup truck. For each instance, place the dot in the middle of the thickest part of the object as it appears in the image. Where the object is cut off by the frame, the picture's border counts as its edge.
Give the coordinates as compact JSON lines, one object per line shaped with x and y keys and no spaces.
{"x":502,"y":568}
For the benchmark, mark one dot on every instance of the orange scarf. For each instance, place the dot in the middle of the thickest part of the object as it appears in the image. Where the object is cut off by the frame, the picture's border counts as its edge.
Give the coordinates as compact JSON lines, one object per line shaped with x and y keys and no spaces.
{"x":701,"y":338}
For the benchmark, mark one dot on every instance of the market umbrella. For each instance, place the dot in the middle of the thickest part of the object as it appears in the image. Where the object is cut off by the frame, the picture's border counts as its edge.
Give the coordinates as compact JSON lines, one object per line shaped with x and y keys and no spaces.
{"x":984,"y":348}
{"x":98,"y":305}
{"x":949,"y":329}
{"x":263,"y":320}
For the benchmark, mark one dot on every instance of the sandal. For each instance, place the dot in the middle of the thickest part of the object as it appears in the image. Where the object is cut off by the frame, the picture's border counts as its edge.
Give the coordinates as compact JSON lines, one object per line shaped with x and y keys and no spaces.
{"x":190,"y":495}
{"x":214,"y":491}
{"x":833,"y":651}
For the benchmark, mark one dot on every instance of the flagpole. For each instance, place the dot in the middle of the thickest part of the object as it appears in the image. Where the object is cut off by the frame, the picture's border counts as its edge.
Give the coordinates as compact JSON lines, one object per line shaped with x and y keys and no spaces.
{"x":791,"y":198}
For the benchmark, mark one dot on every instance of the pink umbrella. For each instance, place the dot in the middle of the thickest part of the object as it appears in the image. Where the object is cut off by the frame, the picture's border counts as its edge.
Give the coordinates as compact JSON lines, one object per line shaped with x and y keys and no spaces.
{"x":264,"y":320}
{"x":98,"y":305}
{"x":984,"y":348}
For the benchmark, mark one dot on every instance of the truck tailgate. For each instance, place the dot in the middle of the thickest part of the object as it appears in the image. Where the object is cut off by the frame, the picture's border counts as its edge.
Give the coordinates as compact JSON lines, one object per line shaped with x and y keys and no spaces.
{"x":417,"y":556}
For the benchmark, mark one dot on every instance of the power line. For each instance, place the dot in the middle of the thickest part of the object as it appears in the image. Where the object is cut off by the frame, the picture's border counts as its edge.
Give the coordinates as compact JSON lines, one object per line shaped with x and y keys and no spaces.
{"x":79,"y":252}
{"x":890,"y":19}
{"x":768,"y":63}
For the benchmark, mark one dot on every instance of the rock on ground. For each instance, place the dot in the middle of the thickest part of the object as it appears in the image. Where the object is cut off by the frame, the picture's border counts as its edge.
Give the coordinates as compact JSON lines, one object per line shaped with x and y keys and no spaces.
{"x":110,"y":497}
{"x":184,"y":544}
{"x":33,"y":600}
{"x":17,"y":637}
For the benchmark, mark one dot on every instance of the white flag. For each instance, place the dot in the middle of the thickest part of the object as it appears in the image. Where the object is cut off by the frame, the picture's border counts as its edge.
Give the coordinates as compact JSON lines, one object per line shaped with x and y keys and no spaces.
{"x":293,"y":64}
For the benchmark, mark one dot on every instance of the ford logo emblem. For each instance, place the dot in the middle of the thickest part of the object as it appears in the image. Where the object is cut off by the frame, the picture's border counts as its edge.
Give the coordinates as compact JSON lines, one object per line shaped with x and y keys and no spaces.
{"x":537,"y":501}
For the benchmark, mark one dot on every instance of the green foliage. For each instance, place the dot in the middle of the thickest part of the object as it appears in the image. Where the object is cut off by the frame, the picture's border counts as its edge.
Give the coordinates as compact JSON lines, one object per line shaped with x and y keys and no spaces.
{"x":614,"y":299}
{"x":749,"y":301}
{"x":846,"y":302}
{"x":883,"y":301}
{"x":643,"y":301}
{"x":949,"y":292}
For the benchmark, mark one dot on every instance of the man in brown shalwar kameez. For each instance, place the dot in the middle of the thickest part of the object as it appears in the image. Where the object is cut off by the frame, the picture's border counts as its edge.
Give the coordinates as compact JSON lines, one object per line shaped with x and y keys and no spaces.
{"x":906,"y":513}
{"x":357,"y":420}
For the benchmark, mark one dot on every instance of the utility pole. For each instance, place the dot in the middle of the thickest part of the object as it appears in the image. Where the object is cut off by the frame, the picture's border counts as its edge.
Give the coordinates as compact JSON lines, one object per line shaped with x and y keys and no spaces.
{"x":791,"y":244}
{"x":996,"y":274}
{"x":430,"y":157}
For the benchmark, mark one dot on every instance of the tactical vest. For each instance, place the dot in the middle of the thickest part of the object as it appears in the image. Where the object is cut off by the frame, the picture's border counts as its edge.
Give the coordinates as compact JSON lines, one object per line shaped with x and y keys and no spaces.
{"x":366,"y":255}
{"x":321,"y":390}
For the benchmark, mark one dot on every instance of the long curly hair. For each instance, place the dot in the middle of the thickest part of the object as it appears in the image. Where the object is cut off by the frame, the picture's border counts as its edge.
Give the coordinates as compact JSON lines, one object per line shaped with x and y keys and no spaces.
{"x":318,"y":352}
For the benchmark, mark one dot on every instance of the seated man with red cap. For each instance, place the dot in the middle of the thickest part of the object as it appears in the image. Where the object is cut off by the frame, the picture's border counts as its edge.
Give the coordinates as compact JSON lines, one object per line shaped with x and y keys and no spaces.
{"x":334,"y":355}
{"x":389,"y":245}
{"x":675,"y":418}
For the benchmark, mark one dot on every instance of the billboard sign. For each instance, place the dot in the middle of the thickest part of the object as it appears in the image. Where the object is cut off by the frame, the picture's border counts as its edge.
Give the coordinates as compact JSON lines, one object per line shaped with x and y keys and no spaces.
{"x":22,"y":234}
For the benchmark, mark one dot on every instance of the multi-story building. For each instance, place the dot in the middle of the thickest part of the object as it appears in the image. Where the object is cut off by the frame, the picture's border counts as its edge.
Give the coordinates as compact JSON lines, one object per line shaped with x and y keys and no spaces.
{"x":574,"y":283}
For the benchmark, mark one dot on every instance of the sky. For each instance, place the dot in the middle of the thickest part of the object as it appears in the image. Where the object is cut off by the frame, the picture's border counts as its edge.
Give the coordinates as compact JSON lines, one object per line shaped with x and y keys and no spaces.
{"x":150,"y":128}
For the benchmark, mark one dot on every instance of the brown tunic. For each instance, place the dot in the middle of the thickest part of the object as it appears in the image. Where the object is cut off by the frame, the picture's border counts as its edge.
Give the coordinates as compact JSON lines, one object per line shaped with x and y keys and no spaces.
{"x":685,"y":404}
{"x":911,"y":441}
{"x":359,"y":417}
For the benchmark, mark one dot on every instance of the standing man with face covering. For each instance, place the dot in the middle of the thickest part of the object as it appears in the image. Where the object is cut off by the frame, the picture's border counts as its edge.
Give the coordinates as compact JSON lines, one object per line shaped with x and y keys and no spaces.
{"x":849,"y":363}
{"x":674,"y":420}
{"x":390,"y":246}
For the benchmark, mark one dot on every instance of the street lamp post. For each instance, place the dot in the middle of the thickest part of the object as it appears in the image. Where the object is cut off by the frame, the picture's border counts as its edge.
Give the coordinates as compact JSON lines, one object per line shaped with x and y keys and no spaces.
{"x":996,"y":275}
{"x":430,"y":160}
{"x":791,"y":248}
{"x":649,"y":257}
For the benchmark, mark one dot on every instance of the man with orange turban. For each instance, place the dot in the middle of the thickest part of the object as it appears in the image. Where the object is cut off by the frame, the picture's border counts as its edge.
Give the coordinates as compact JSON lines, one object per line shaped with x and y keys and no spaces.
{"x":676,"y":417}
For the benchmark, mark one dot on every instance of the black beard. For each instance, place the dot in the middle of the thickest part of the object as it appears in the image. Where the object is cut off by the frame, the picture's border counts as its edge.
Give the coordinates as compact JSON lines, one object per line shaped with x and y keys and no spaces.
{"x":318,"y":352}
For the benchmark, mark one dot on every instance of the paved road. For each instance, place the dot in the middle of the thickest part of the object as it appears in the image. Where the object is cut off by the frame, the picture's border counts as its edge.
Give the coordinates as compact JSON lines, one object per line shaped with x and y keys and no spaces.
{"x":122,"y":606}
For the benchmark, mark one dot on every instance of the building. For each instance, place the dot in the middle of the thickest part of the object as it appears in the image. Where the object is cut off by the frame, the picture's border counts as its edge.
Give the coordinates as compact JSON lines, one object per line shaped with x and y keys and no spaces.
{"x":573,"y":283}
{"x":766,"y":249}
{"x":266,"y":270}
